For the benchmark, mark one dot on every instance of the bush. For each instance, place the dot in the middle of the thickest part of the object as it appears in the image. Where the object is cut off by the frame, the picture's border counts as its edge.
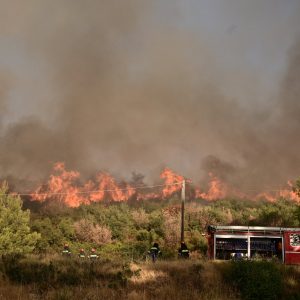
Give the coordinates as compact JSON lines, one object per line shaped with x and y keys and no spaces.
{"x":140,"y":218}
{"x":142,"y":235}
{"x":26,"y":271}
{"x":256,"y":279}
{"x":168,"y":253}
{"x":51,"y":236}
{"x":198,"y":242}
{"x":139,"y":249}
{"x":95,"y":233}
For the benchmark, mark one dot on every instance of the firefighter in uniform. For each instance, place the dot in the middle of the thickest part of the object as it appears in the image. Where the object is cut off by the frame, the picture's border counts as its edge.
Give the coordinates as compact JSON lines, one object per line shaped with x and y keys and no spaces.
{"x":183,"y":251}
{"x":154,"y":252}
{"x":93,"y":255}
{"x":81,"y":253}
{"x":66,"y":251}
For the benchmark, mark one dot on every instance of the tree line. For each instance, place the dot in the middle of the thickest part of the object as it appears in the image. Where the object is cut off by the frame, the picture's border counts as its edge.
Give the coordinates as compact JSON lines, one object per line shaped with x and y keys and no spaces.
{"x":129,"y":229}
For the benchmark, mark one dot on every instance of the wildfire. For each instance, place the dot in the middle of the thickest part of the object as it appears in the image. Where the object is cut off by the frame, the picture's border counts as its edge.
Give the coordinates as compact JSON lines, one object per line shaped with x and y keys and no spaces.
{"x":217,"y":189}
{"x":290,"y":193}
{"x":65,"y":186}
{"x":107,"y":183}
{"x":287,"y":193}
{"x":172,"y":182}
{"x":62,"y":186}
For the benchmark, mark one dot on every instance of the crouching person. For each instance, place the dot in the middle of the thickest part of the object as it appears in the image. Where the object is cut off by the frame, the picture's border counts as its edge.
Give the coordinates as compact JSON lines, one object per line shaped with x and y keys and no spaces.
{"x":81,"y":253}
{"x":66,"y":251}
{"x":93,"y":255}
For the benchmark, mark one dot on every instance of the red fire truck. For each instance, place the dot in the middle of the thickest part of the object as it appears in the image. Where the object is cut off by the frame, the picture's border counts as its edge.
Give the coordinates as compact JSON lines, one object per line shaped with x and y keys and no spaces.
{"x":249,"y":242}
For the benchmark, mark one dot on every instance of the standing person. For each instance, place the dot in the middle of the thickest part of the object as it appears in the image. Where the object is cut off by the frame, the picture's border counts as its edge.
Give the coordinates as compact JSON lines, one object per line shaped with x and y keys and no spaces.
{"x":183,"y":251}
{"x":154,"y":251}
{"x":66,"y":251}
{"x":93,"y":255}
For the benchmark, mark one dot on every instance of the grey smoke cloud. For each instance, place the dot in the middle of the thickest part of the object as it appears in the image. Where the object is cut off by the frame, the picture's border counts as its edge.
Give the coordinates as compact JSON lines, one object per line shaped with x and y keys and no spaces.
{"x":136,"y":85}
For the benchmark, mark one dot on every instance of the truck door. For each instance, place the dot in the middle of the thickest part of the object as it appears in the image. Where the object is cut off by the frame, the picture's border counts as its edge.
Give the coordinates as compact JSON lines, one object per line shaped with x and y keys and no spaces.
{"x":292,"y":247}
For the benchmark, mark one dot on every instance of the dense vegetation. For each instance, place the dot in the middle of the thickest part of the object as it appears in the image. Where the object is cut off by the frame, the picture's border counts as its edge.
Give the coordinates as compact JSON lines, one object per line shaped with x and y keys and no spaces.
{"x":15,"y":235}
{"x":128,"y":230}
{"x":32,"y":238}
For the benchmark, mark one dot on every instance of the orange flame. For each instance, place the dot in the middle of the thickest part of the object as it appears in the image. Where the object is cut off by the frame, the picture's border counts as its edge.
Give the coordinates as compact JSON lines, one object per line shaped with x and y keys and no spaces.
{"x":265,"y":195}
{"x":290,"y":194}
{"x":287,"y":193}
{"x":217,"y":189}
{"x":108,"y":183}
{"x":172,"y":182}
{"x":61,"y":186}
{"x":64,"y":186}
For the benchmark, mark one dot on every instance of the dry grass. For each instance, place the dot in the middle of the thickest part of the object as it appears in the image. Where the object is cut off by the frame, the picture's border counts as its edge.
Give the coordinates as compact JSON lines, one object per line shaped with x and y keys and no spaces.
{"x":182,"y":279}
{"x":186,"y":279}
{"x":189,"y":279}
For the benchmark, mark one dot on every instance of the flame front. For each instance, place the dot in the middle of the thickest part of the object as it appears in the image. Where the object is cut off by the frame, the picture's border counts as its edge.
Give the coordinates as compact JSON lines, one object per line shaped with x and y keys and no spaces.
{"x":217,"y":189}
{"x":107,"y":185}
{"x":62,"y":186}
{"x":65,"y":186}
{"x":172,"y":182}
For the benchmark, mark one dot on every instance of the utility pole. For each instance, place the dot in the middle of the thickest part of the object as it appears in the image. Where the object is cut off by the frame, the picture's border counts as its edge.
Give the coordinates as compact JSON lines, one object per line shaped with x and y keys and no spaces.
{"x":182,"y":209}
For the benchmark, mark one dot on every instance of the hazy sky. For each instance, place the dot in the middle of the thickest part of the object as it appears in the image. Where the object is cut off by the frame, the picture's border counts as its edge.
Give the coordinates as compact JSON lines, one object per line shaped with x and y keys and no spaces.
{"x":134,"y":85}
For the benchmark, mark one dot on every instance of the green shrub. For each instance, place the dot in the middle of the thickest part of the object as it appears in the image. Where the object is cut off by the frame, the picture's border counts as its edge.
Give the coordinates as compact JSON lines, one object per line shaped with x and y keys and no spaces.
{"x":291,"y":277}
{"x":26,"y":270}
{"x":256,"y":279}
{"x":197,"y":242}
{"x":168,"y":253}
{"x":140,"y":249}
{"x":142,"y":235}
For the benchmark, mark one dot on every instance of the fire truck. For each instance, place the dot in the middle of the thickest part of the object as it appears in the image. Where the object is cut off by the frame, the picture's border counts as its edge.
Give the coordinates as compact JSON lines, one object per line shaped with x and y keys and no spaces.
{"x":251,"y":242}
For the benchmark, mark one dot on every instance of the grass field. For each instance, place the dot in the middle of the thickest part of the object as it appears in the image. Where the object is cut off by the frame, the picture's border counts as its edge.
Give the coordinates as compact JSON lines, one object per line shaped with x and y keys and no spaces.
{"x":57,"y":278}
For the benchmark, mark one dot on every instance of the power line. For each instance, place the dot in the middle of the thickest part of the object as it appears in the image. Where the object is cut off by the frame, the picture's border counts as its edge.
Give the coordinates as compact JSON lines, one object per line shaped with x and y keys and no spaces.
{"x":97,"y":191}
{"x":255,"y":190}
{"x":131,"y":188}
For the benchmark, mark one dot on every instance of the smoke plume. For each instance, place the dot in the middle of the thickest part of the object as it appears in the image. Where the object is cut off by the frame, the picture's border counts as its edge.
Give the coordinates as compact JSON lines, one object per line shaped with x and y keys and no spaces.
{"x":132,"y":86}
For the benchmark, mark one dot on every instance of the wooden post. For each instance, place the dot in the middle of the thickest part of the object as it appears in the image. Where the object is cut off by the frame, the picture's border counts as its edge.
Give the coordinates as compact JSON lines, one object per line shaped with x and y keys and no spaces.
{"x":182,"y":209}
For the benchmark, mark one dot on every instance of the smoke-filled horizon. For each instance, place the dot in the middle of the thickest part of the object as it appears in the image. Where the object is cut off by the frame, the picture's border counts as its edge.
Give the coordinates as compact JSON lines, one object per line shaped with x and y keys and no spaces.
{"x":138,"y":85}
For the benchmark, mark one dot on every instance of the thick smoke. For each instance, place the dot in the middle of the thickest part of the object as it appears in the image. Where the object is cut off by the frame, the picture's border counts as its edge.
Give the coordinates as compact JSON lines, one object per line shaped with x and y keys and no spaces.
{"x":119,"y":85}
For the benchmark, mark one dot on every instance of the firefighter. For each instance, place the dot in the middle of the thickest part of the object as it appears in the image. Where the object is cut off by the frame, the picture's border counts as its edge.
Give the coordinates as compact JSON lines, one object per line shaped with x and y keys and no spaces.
{"x":66,"y":251}
{"x":81,"y":253}
{"x":154,"y":252}
{"x":183,"y":251}
{"x":93,"y":255}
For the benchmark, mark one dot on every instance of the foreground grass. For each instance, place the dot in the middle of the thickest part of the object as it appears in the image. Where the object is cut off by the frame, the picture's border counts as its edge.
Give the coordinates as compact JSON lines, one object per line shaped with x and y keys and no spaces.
{"x":57,"y":278}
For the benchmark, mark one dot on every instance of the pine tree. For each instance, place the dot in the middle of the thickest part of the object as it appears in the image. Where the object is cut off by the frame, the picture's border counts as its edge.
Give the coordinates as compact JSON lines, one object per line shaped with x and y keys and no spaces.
{"x":15,"y":235}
